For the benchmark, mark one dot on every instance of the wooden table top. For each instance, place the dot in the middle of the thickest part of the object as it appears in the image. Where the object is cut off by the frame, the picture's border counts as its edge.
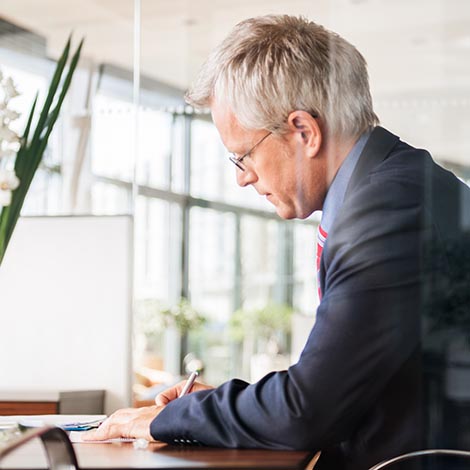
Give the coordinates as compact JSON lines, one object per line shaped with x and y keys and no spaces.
{"x":161,"y":456}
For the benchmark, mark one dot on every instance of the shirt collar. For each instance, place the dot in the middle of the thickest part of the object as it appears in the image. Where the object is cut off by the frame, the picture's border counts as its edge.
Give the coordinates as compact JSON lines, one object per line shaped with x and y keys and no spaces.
{"x":335,"y":195}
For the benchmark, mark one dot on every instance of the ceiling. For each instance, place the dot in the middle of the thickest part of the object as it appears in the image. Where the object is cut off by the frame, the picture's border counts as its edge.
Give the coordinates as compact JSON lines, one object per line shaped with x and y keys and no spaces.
{"x":418,"y":51}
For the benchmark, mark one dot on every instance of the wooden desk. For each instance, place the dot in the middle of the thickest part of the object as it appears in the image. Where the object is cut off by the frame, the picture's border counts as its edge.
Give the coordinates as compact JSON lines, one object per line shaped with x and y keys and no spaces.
{"x":161,"y":456}
{"x":30,"y":402}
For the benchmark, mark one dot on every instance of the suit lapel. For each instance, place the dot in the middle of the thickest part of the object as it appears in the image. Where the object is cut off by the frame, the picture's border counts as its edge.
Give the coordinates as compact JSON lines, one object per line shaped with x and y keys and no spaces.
{"x":377,"y":148}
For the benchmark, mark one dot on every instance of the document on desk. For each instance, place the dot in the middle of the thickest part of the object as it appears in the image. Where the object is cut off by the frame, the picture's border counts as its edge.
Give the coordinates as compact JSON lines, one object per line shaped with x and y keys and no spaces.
{"x":77,"y":437}
{"x":75,"y":425}
{"x":66,"y":422}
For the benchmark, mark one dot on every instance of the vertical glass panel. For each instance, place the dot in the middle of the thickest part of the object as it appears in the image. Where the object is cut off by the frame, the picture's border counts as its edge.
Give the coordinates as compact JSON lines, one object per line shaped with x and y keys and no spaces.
{"x":419,"y":73}
{"x":423,"y":97}
{"x":211,"y":282}
{"x":157,"y":285}
{"x":162,"y":45}
{"x":213,"y":176}
{"x":108,"y":199}
{"x":305,"y":273}
{"x":209,"y":170}
{"x":259,"y":261}
{"x":158,"y":241}
{"x":155,"y":148}
{"x":211,"y":271}
{"x":112,"y":142}
{"x":178,"y":164}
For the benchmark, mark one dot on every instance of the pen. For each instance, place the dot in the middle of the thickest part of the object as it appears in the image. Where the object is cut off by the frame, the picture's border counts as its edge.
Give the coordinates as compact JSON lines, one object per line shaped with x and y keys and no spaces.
{"x":189,"y":383}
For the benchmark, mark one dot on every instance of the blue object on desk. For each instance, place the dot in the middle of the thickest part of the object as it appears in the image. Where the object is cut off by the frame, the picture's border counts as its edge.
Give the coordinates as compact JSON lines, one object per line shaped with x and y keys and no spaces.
{"x":81,"y":426}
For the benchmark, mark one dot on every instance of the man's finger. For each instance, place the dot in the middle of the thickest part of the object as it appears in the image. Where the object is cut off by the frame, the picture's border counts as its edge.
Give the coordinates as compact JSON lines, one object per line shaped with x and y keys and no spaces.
{"x":168,"y":395}
{"x":95,"y":435}
{"x":174,"y":392}
{"x":89,"y":436}
{"x":105,"y":431}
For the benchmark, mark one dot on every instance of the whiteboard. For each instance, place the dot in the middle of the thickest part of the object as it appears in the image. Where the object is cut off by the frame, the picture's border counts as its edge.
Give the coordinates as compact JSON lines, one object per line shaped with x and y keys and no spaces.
{"x":65,"y":306}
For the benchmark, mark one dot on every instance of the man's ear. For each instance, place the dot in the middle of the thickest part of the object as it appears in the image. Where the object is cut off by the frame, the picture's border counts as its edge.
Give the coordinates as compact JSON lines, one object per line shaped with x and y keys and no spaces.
{"x":306,"y":130}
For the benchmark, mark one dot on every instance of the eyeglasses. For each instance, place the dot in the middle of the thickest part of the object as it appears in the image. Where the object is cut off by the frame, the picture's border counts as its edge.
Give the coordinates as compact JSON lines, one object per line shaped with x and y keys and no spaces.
{"x":238,"y":161}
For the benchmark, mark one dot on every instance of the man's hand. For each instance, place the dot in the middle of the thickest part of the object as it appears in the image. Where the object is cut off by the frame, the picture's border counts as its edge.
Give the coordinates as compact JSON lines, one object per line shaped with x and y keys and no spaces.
{"x":128,"y":422}
{"x":174,"y":392}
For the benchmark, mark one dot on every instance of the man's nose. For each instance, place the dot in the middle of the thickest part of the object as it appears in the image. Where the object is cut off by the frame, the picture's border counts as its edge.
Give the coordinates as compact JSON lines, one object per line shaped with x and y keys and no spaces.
{"x":247,"y":177}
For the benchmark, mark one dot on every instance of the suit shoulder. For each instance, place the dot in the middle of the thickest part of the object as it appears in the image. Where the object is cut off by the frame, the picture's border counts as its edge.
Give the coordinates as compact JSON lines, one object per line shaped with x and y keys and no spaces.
{"x":414,"y":166}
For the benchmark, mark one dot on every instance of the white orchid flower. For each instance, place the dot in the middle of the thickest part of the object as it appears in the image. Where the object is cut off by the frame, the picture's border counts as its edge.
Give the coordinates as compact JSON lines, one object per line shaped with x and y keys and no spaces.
{"x":7,"y":153}
{"x":8,"y":183}
{"x":7,"y":135}
{"x":5,"y":197}
{"x":10,"y":88}
{"x":8,"y":179}
{"x":10,"y":114}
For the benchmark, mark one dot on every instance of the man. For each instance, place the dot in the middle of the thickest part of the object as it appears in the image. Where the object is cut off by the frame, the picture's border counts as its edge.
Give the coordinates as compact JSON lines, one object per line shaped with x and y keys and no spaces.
{"x":291,"y":102}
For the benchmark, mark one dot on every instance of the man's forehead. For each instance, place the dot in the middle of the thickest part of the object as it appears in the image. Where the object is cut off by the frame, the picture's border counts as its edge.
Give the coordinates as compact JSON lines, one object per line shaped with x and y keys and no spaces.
{"x":223,"y":115}
{"x":233,"y":134}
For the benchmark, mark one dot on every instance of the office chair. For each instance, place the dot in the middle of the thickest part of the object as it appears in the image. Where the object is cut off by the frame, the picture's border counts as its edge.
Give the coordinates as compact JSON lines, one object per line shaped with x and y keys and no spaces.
{"x":449,"y":460}
{"x":59,"y":451}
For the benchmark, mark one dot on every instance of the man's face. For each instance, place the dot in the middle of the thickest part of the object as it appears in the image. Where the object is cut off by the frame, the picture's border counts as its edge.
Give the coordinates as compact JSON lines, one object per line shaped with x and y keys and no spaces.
{"x":278,"y":168}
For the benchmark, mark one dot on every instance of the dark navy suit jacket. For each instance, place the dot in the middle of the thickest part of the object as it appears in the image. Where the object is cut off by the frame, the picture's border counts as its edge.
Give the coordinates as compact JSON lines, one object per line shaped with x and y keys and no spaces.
{"x":356,"y":392}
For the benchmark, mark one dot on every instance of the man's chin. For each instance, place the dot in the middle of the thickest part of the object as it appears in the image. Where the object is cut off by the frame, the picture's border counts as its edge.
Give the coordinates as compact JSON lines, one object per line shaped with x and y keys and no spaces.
{"x":285,"y":212}
{"x":288,"y":212}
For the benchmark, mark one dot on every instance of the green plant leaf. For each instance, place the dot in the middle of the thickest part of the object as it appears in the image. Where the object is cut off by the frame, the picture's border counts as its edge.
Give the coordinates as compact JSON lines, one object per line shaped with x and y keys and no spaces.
{"x":52,"y":89}
{"x":55,"y":112}
{"x":20,"y":161}
{"x":31,"y":150}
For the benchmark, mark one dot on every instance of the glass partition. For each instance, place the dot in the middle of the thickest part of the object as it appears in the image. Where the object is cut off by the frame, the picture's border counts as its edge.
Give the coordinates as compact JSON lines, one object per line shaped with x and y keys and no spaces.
{"x":127,"y":143}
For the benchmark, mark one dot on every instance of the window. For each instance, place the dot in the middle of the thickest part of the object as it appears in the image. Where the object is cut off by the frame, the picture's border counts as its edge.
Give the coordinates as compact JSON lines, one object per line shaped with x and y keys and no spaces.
{"x":197,"y":233}
{"x":260,"y":261}
{"x":157,"y":249}
{"x":212,"y":175}
{"x":30,"y":77}
{"x":113,"y":149}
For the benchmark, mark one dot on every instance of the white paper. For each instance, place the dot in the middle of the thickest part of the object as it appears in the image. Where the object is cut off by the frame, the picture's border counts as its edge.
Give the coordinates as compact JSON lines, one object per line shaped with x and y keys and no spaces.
{"x":37,"y":421}
{"x":76,"y":437}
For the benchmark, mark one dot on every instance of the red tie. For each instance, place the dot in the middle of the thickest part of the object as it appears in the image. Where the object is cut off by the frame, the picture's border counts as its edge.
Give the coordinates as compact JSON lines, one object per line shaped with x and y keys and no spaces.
{"x":321,"y":238}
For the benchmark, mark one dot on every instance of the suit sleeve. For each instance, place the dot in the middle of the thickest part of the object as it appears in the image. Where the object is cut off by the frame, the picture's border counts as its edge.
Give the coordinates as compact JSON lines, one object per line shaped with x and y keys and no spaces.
{"x":367,"y":326}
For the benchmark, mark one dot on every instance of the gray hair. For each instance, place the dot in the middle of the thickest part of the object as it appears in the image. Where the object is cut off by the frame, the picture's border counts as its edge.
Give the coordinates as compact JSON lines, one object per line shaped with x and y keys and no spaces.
{"x":271,"y":65}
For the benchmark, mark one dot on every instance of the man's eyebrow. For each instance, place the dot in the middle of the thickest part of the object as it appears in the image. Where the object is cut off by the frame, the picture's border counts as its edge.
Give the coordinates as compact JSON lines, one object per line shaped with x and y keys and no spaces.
{"x":230,"y":149}
{"x":243,"y":148}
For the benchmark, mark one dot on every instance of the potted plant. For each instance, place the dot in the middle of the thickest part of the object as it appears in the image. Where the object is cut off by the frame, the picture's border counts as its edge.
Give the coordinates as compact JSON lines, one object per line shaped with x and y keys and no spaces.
{"x":265,"y":334}
{"x":165,"y":329}
{"x":21,"y":156}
